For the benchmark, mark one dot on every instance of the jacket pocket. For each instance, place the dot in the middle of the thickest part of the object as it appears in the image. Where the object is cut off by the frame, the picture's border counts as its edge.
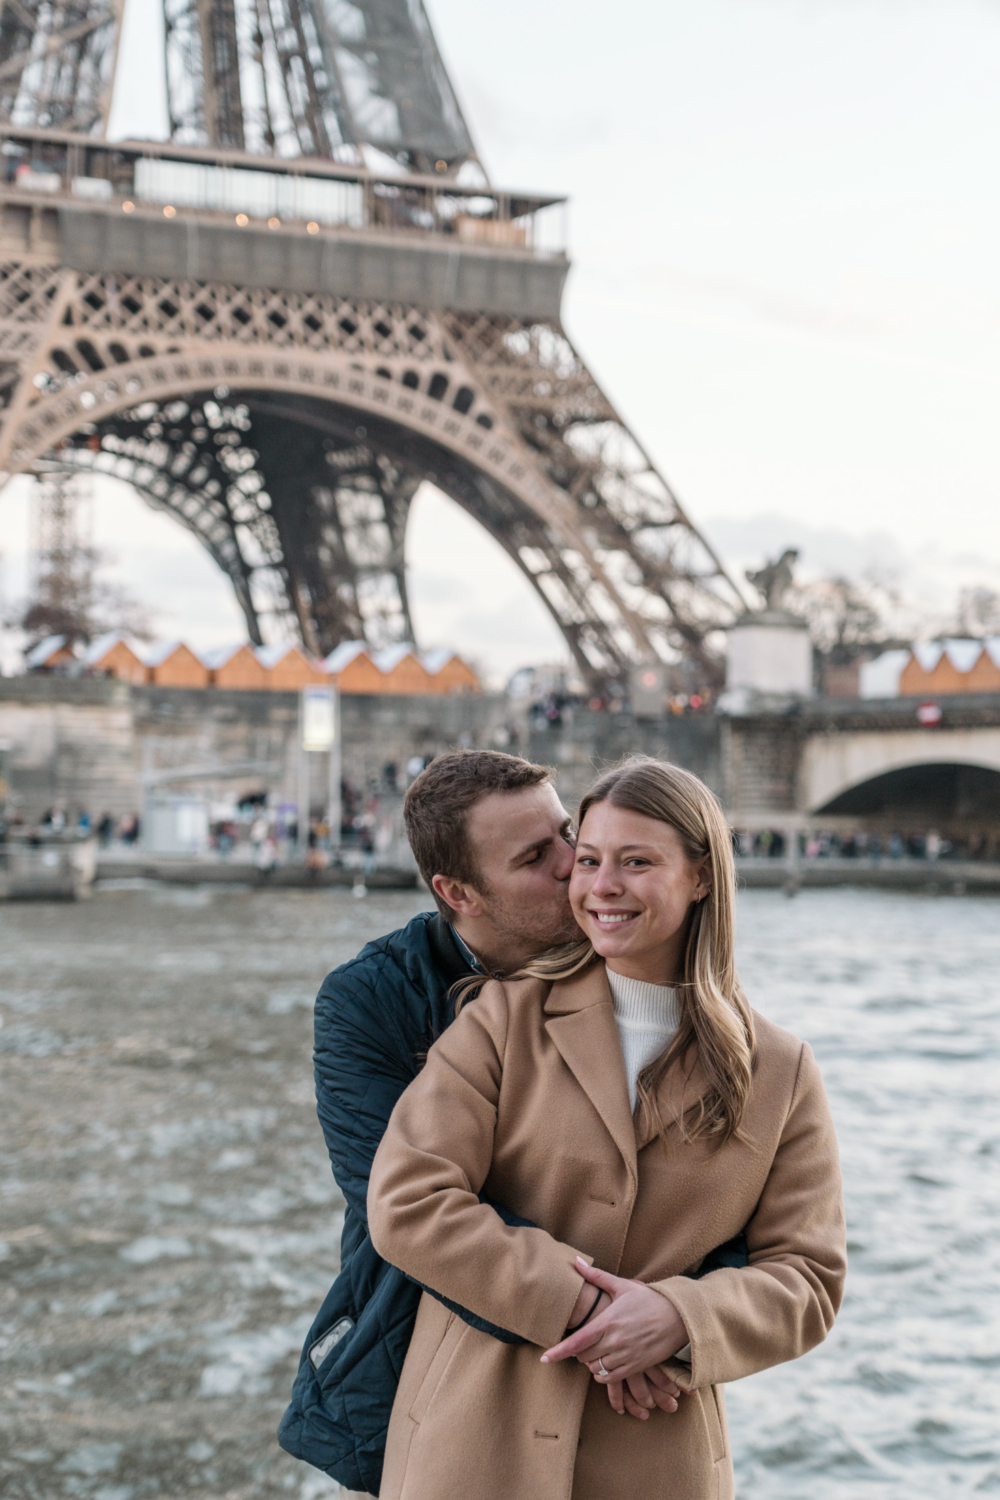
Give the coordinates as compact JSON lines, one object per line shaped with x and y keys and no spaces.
{"x":455,"y":1331}
{"x":714,"y":1422}
{"x":321,"y":1348}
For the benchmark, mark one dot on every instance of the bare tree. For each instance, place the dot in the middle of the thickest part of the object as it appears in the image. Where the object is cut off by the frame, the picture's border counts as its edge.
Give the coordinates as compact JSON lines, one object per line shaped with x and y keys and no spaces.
{"x":978,"y":612}
{"x":848,"y":619}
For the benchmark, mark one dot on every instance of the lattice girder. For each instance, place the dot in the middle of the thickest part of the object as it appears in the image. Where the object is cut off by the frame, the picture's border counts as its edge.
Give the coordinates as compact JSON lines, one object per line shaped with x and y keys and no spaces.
{"x":502,"y":414}
{"x":57,"y":62}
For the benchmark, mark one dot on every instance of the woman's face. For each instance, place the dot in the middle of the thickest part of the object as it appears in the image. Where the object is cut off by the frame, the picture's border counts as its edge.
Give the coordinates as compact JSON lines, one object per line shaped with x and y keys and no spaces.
{"x":631,"y":890}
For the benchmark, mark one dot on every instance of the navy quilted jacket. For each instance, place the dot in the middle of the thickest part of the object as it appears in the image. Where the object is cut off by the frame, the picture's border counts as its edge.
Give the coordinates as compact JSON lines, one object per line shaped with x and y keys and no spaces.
{"x":375,"y":1019}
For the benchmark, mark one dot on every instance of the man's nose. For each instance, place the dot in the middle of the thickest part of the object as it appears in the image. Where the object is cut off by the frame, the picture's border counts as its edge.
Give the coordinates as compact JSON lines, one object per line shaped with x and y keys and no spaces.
{"x":565,"y":857}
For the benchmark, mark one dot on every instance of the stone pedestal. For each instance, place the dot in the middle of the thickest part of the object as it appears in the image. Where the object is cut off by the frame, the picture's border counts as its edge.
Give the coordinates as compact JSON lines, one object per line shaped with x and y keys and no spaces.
{"x":769,"y":662}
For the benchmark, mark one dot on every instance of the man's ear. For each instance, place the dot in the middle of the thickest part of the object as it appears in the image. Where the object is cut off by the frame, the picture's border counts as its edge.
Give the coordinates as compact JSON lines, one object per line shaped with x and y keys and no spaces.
{"x":463,"y":900}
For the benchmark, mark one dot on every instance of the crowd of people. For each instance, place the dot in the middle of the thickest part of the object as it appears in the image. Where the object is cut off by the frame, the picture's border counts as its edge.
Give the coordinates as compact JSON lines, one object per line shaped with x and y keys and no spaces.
{"x":772,"y":843}
{"x":57,"y":821}
{"x":269,"y":835}
{"x":552,"y":710}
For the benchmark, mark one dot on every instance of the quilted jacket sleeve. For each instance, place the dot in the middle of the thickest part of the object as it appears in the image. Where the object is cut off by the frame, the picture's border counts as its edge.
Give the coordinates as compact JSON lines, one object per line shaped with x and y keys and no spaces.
{"x":362,"y":1064}
{"x":363,"y":1060}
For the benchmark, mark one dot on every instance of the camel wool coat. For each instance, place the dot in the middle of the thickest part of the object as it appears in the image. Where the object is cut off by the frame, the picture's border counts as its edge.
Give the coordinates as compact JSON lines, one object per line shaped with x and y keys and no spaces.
{"x":525,"y":1097}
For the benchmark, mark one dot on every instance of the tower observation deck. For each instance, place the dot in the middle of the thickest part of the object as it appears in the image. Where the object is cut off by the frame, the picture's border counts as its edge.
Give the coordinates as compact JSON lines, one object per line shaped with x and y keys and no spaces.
{"x":309,"y":299}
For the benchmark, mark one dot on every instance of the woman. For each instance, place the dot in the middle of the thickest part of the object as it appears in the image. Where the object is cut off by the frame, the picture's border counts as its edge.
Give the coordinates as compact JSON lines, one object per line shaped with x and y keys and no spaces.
{"x":623,"y":1097}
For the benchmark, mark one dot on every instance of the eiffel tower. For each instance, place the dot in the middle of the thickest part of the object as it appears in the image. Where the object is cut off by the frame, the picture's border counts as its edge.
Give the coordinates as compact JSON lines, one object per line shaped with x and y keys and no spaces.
{"x":276,"y":323}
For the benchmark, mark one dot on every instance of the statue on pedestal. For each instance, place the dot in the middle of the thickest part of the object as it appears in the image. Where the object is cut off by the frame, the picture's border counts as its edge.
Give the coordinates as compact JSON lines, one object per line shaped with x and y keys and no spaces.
{"x":769,"y":662}
{"x":774,"y":580}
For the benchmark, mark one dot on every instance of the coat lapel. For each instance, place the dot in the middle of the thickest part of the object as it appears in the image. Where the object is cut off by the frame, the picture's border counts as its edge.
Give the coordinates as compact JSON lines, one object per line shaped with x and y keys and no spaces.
{"x":581,"y":1023}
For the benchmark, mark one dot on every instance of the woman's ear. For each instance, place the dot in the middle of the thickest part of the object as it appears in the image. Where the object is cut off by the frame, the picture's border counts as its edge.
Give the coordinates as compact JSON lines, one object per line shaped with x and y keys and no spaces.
{"x":703,"y":886}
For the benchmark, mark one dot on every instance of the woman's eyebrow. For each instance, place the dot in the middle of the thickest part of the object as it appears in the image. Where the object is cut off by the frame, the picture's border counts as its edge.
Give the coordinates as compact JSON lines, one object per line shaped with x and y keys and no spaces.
{"x":621,"y":849}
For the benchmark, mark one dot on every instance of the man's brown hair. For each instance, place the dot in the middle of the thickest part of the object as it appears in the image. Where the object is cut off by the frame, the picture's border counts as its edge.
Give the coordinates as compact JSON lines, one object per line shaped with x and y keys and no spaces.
{"x":438,"y":802}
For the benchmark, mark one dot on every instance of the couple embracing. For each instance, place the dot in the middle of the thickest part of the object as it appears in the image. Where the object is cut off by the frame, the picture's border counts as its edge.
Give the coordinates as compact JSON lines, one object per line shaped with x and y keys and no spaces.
{"x":586,"y":1184}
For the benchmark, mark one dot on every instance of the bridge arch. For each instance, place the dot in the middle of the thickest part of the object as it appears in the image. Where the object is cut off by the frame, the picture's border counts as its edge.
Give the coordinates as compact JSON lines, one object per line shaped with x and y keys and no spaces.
{"x":945,"y":794}
{"x":871,"y":772}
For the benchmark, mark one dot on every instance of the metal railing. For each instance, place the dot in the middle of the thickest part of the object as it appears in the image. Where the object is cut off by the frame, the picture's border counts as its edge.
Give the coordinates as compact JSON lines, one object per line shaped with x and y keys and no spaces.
{"x":42,"y":165}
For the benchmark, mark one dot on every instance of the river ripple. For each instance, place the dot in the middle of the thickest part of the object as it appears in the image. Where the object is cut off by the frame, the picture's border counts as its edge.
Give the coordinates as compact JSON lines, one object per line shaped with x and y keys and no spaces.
{"x":898,"y":996}
{"x":169,"y":1222}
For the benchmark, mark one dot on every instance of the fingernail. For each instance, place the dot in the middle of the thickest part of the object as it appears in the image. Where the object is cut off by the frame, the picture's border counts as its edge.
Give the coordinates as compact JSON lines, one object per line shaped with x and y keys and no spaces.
{"x":545,"y":1359}
{"x":580,"y":1260}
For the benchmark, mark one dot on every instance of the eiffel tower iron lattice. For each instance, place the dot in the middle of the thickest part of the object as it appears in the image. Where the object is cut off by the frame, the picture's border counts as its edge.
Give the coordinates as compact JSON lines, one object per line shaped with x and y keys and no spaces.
{"x":278,"y":323}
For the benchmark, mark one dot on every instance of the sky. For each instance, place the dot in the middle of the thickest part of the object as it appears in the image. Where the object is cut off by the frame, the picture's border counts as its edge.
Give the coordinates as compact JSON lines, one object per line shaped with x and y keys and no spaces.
{"x":785,"y":235}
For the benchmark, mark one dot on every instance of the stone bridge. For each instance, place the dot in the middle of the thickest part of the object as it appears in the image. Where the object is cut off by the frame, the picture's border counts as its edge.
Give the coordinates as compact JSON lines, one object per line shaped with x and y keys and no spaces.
{"x":868,"y":761}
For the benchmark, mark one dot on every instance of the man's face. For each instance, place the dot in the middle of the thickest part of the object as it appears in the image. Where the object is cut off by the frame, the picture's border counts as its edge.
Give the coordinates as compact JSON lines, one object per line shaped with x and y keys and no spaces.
{"x":521,"y":847}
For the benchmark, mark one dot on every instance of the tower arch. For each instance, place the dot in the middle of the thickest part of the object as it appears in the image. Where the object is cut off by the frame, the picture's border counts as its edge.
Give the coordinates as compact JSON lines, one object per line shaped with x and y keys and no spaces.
{"x":290,"y":431}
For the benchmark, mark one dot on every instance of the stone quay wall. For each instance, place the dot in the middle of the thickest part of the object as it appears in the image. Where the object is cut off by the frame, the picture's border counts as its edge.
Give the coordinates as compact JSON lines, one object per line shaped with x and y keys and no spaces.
{"x":87,"y":743}
{"x":587,"y":743}
{"x":91,"y":744}
{"x":71,"y":744}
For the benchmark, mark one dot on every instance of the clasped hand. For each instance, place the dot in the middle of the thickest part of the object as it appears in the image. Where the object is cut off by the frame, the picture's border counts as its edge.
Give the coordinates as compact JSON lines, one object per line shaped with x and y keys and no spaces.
{"x":625,"y":1342}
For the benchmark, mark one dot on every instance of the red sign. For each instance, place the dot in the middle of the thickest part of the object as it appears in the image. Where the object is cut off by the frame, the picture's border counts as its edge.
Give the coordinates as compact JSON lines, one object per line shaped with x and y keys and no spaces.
{"x":929,"y":714}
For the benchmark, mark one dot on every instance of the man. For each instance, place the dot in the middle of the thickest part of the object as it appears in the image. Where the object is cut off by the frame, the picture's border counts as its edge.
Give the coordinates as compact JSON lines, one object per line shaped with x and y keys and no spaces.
{"x":492,"y":841}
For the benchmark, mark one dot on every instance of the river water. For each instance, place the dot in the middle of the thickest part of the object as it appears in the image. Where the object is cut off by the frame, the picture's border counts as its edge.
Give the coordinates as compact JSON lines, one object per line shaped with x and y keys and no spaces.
{"x":168,"y":1222}
{"x":899,"y":996}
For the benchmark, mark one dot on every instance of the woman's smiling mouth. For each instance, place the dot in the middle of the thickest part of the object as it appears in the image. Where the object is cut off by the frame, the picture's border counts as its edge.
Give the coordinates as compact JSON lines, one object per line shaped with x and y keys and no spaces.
{"x":613,"y":918}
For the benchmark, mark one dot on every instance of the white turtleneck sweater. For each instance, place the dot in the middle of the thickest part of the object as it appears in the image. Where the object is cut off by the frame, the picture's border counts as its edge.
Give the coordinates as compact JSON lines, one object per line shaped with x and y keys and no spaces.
{"x":647,"y":1015}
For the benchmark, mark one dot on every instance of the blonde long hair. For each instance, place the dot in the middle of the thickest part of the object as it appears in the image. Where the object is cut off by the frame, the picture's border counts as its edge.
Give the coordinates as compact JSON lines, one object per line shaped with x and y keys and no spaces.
{"x":716,"y":1023}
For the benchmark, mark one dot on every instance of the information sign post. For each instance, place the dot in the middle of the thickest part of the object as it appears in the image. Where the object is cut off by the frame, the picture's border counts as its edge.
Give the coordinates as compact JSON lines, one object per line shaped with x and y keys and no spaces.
{"x":319,"y":733}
